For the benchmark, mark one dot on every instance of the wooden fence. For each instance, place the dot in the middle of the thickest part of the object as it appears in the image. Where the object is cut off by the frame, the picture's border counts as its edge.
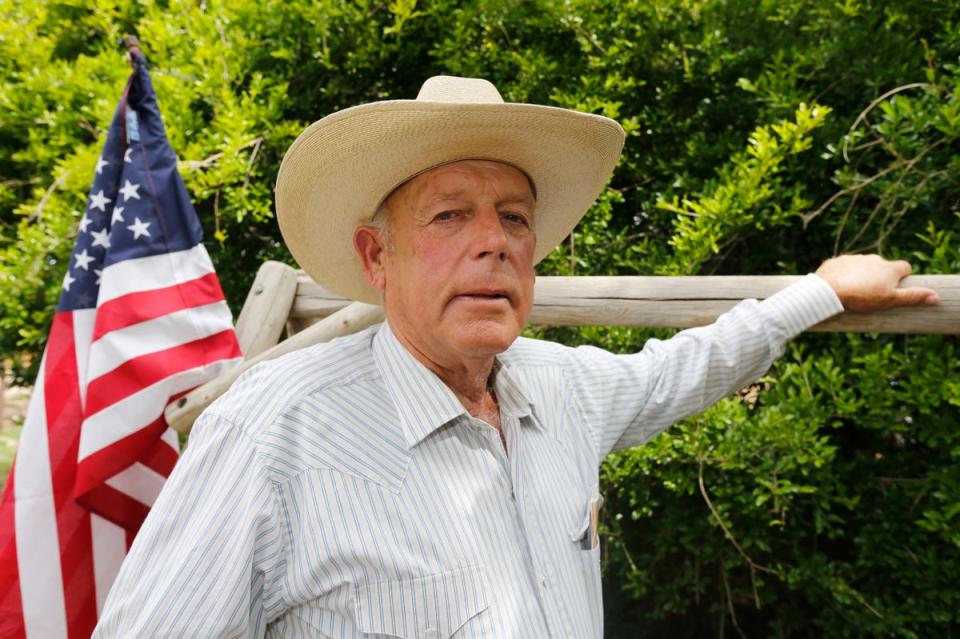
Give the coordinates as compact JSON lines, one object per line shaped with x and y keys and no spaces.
{"x":283,"y":298}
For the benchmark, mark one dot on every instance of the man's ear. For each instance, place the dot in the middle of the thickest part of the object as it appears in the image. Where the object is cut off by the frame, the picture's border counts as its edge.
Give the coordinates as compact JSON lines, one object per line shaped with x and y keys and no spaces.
{"x":370,"y":247}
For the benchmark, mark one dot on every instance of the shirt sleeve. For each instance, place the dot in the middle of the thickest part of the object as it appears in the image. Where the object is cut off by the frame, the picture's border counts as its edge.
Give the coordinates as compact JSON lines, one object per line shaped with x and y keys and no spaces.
{"x":207,"y":561}
{"x":628,"y":399}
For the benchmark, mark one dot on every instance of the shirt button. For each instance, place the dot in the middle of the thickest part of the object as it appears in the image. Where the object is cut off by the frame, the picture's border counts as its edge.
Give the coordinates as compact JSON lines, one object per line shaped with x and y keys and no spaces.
{"x":430,"y":633}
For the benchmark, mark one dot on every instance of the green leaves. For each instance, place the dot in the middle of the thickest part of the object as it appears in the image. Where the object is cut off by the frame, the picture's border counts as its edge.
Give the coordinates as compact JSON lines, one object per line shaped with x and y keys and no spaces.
{"x":745,"y":196}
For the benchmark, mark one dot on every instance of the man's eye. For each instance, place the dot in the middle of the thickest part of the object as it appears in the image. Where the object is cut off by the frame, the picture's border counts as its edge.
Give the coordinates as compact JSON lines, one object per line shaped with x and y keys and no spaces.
{"x":445,"y":216}
{"x":516,"y":218}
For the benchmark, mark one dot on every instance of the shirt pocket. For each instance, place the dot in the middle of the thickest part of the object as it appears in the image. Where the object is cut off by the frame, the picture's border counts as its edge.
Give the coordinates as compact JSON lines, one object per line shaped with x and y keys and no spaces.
{"x":432,"y":607}
{"x":587,"y":532}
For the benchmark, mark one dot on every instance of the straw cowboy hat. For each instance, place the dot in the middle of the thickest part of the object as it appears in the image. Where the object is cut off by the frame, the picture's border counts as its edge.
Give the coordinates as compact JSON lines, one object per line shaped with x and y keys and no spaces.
{"x":338,"y":171}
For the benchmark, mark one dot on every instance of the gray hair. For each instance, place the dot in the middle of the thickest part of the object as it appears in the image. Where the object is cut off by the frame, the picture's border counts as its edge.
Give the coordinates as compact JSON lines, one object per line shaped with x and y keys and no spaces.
{"x":380,"y":222}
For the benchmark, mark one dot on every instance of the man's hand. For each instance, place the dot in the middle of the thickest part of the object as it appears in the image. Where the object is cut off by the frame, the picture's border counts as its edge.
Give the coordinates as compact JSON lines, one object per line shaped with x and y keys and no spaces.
{"x":869,"y":283}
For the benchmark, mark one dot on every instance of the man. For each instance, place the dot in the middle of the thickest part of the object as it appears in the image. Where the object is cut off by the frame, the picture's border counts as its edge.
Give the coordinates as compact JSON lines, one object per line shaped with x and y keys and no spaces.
{"x":436,"y":476}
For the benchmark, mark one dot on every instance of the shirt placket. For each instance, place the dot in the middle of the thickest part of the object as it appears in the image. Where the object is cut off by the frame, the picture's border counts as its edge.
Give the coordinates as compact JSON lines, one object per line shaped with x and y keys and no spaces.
{"x":537,"y":565}
{"x":535,"y":535}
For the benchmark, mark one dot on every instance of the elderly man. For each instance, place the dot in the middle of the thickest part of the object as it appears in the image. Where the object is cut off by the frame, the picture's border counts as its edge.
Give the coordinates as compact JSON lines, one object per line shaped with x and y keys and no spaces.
{"x":436,"y":475}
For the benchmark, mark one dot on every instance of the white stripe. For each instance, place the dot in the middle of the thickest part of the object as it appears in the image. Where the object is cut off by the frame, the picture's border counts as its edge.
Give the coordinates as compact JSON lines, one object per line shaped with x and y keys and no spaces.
{"x":109,"y":548}
{"x":83,"y":321}
{"x":135,"y":411}
{"x":171,"y":438}
{"x":35,"y":522}
{"x":139,"y":482}
{"x":167,"y":331}
{"x":153,"y":272}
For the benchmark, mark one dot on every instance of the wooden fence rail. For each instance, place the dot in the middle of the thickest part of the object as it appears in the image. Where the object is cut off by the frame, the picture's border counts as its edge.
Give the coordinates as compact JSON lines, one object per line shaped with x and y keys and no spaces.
{"x":678,"y":302}
{"x":313,"y":315}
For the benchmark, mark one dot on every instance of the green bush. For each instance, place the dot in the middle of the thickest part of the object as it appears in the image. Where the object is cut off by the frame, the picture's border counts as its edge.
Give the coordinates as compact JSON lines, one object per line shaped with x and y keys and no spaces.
{"x":762,"y":137}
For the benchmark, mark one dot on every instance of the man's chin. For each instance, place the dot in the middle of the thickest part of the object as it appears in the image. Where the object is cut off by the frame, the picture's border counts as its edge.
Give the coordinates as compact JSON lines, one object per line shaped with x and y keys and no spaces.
{"x":486,"y":338}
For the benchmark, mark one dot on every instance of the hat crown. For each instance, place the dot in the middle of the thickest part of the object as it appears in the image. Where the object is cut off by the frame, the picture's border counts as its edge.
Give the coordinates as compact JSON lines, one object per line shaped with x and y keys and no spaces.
{"x":448,"y":88}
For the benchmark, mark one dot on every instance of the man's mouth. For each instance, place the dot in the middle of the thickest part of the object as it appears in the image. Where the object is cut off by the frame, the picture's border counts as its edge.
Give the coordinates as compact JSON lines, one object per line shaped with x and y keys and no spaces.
{"x":485,"y":295}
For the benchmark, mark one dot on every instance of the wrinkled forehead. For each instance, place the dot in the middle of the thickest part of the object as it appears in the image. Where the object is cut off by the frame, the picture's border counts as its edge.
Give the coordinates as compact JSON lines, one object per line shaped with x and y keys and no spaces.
{"x":446,"y":179}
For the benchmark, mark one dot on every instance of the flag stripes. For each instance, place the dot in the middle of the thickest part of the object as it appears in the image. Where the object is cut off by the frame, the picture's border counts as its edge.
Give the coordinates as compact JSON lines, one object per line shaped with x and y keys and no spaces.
{"x":160,"y":333}
{"x":134,"y":308}
{"x":156,"y":454}
{"x":145,"y":370}
{"x":35,"y":524}
{"x":110,"y":543}
{"x":154,"y":272}
{"x":11,"y":622}
{"x":114,"y":423}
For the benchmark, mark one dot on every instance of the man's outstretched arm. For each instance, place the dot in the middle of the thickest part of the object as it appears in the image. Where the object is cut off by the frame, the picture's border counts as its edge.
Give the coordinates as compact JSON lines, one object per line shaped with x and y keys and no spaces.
{"x":628,"y":399}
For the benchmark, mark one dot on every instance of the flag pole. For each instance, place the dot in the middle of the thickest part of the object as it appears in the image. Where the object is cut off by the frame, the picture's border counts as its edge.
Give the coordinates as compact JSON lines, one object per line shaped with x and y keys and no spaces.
{"x":133,"y":47}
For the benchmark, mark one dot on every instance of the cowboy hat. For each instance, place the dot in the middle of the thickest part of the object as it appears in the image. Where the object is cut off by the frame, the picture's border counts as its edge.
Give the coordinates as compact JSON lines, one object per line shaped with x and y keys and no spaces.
{"x":338,"y":171}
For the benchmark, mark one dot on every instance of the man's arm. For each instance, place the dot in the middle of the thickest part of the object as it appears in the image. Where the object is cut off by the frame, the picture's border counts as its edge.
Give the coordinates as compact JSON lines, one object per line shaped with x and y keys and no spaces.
{"x":628,"y":399}
{"x":206,"y":562}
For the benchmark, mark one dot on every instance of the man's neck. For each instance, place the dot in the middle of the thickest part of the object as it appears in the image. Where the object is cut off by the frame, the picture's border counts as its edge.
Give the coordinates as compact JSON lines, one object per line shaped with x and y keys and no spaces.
{"x":470,"y":379}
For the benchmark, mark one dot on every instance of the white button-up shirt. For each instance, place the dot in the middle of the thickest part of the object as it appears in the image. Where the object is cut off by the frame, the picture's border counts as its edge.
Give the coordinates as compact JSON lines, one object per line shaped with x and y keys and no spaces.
{"x":343,"y":490}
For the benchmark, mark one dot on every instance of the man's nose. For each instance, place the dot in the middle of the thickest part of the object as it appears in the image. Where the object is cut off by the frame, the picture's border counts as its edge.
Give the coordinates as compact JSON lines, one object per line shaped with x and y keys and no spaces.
{"x":491,"y":237}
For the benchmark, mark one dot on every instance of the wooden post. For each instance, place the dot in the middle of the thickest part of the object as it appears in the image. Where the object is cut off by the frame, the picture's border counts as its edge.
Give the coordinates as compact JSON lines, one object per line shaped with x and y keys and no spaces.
{"x":266,"y":309}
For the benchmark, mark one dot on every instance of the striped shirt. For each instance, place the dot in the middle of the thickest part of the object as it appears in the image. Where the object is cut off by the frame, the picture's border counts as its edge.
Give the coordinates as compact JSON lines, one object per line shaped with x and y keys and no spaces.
{"x":343,"y":490}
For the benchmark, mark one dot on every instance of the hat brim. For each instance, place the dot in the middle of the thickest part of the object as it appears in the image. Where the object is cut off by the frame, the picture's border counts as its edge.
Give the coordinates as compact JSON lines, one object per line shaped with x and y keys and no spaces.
{"x":338,"y":170}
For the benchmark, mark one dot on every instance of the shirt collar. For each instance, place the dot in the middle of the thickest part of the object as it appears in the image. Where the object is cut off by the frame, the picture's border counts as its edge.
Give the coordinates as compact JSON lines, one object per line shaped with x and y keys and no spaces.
{"x":424,"y":403}
{"x":513,"y":401}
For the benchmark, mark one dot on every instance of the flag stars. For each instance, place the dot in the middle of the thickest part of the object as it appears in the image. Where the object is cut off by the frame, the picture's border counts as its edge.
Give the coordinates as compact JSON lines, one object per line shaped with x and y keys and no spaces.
{"x":100,"y":164}
{"x":139,"y":228}
{"x":130,"y":190}
{"x":84,"y":223}
{"x":126,"y":156}
{"x":117,"y":215}
{"x":98,"y":272}
{"x":101,"y":238}
{"x":100,"y":201}
{"x":67,"y":281}
{"x":83,"y":260}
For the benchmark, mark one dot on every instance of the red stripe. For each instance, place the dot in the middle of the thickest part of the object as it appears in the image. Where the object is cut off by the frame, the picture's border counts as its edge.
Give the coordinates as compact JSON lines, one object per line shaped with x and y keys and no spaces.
{"x":140,"y":372}
{"x":11,"y":606}
{"x":115,"y":506}
{"x":64,"y":417}
{"x":97,"y":468}
{"x":161,"y":458}
{"x":134,"y":308}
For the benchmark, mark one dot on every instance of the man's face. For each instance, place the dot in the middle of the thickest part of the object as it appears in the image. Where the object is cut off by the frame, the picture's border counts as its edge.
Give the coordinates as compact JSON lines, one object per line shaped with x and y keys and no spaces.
{"x":458,"y":273}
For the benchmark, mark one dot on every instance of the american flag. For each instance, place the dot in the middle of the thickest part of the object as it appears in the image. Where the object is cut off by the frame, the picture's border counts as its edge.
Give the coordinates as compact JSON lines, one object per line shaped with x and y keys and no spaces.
{"x":141,"y":319}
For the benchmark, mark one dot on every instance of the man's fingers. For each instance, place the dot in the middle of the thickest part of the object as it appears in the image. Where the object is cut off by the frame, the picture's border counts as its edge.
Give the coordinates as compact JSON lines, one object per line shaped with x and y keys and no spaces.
{"x":902,"y":268}
{"x":915,"y":296}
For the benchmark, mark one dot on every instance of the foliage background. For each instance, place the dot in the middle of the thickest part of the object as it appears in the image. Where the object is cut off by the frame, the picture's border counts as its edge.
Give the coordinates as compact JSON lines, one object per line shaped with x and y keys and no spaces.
{"x":764,"y":136}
